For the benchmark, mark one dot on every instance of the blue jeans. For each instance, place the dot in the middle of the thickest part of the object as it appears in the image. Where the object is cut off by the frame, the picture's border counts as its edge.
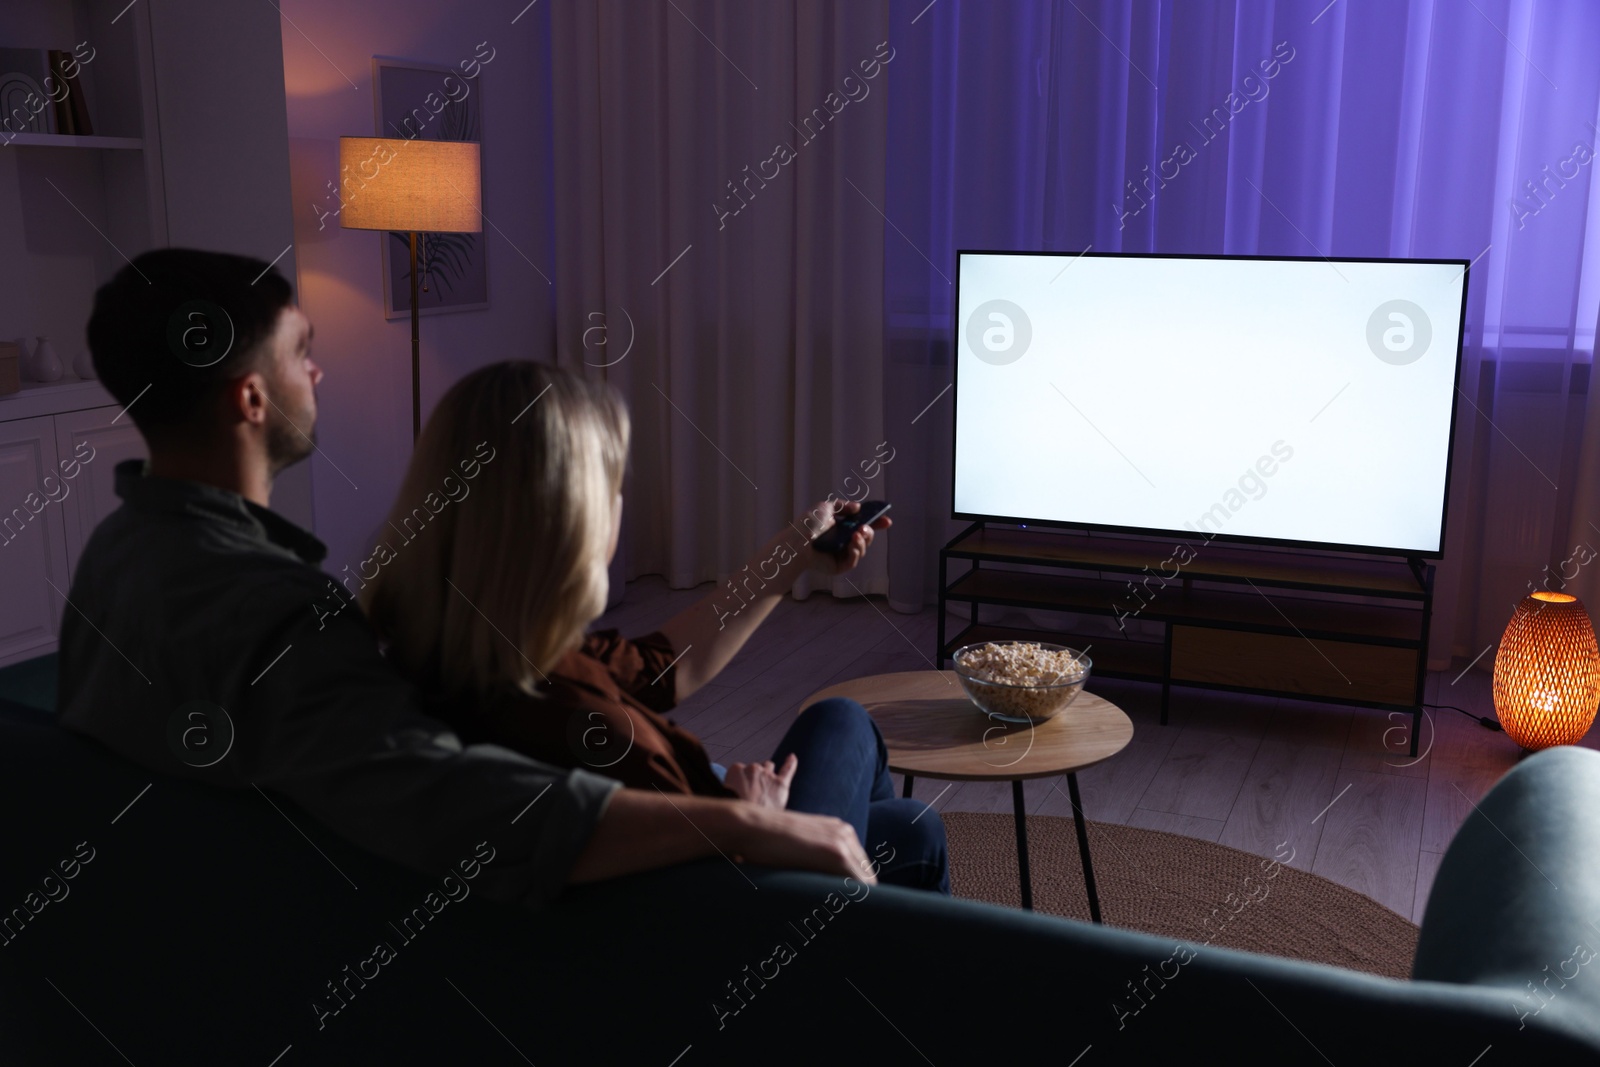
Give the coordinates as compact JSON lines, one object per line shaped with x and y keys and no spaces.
{"x":843,"y":771}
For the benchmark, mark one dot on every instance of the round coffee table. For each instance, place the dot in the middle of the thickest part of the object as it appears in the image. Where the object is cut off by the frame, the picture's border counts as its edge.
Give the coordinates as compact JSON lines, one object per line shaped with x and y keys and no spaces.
{"x":934,"y":731}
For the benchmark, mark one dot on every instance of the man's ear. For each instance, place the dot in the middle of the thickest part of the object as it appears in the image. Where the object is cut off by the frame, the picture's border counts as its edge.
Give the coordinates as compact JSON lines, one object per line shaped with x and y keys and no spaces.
{"x":246,"y":399}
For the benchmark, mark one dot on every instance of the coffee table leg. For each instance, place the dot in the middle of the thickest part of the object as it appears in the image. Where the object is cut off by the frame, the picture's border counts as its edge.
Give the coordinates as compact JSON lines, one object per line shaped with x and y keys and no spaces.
{"x":1083,"y":847}
{"x":1021,"y":813}
{"x":905,"y":790}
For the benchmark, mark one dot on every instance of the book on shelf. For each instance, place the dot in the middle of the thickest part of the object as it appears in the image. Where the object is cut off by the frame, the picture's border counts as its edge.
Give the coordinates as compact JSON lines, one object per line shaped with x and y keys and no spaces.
{"x":72,"y":110}
{"x":41,"y":91}
{"x":61,"y":110}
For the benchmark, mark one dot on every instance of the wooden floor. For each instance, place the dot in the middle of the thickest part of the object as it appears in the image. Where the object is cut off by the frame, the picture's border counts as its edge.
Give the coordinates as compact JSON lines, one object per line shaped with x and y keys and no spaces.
{"x":1251,"y":772}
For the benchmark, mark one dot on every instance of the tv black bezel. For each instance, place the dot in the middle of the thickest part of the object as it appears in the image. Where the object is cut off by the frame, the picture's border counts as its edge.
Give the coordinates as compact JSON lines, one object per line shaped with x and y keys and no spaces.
{"x":1191,"y":535}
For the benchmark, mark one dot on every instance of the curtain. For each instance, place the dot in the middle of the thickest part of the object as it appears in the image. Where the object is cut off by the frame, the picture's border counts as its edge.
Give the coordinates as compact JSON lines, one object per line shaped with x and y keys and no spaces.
{"x":718,"y":174}
{"x":1434,"y":128}
{"x":786,"y":315}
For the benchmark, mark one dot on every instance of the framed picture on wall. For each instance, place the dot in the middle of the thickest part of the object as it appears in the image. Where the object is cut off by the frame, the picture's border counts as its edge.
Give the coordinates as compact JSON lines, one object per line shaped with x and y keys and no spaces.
{"x":432,"y":102}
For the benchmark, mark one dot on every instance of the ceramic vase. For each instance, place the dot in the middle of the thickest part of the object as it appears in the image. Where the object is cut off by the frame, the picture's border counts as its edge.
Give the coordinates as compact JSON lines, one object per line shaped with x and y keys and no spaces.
{"x":46,"y":364}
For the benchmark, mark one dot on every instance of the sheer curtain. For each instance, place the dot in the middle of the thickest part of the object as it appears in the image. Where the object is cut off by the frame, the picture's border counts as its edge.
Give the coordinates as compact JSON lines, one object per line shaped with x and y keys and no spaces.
{"x":1433,"y":128}
{"x":772,"y":231}
{"x":717,"y":167}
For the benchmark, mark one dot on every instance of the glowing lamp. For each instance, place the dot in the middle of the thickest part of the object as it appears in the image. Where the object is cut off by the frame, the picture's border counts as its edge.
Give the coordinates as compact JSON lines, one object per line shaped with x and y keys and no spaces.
{"x":1547,"y":672}
{"x":416,"y":186}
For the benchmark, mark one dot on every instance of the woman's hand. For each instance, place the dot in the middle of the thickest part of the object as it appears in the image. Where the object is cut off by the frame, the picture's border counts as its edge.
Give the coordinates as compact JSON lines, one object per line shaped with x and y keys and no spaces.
{"x":717,"y":625}
{"x":761,"y":783}
{"x":821,"y":518}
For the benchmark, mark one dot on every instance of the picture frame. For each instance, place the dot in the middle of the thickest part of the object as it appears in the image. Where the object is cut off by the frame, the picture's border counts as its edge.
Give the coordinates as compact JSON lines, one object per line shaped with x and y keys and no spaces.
{"x":454,"y":266}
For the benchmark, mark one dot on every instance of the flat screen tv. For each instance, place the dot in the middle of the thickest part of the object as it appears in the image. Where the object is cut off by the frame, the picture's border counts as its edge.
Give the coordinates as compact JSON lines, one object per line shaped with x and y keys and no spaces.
{"x":1282,"y":400}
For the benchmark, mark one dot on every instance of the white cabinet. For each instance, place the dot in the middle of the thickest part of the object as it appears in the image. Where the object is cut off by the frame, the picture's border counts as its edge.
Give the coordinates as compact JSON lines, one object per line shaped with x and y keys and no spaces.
{"x":59,"y":447}
{"x":33,"y":540}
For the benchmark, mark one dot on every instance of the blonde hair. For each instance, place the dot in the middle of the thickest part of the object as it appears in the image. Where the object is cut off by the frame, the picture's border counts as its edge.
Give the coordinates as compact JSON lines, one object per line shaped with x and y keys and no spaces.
{"x":503,"y":580}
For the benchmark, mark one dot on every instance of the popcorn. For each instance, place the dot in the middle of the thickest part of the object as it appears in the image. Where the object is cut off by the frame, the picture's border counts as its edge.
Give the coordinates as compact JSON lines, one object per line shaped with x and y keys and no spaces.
{"x":1021,"y":663}
{"x":1020,"y":679}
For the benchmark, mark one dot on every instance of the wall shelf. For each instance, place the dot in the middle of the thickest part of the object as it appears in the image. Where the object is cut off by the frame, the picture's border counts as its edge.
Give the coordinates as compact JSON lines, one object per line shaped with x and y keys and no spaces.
{"x":65,"y":140}
{"x":79,"y":207}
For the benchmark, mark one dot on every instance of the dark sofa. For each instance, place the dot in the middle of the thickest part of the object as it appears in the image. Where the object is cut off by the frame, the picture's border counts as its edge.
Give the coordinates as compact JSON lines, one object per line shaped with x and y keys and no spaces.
{"x":210,"y":927}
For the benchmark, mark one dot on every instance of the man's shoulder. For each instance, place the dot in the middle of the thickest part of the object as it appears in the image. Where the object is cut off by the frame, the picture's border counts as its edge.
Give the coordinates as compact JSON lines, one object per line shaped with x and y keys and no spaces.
{"x":173,"y":580}
{"x":130,"y":542}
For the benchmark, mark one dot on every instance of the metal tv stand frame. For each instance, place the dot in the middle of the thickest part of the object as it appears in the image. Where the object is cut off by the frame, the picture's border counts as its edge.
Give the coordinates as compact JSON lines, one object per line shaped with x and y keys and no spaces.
{"x":1242,"y":618}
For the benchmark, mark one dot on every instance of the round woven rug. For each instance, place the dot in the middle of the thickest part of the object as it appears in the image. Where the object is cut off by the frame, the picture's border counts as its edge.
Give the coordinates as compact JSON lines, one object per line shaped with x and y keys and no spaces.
{"x":1182,"y":888}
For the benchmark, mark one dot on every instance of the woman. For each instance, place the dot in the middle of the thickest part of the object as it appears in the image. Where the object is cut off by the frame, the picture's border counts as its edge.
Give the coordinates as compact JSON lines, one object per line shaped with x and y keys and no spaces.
{"x":509,"y":516}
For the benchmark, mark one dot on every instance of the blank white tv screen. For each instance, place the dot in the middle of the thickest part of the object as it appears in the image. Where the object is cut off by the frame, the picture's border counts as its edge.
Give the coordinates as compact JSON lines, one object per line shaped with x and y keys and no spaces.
{"x":1294,"y":400}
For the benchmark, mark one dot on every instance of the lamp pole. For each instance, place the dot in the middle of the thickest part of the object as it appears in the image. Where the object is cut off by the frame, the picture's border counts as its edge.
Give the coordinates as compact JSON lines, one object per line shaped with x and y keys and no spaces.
{"x":416,"y":349}
{"x":405,"y":197}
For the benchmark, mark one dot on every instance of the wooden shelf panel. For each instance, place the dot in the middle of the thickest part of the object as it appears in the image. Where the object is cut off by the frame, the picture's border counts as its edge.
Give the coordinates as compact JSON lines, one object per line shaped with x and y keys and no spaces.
{"x":66,"y":140}
{"x":1116,"y":657}
{"x":1282,"y":613}
{"x":1330,"y":670}
{"x":1211,"y":562}
{"x":53,"y":398}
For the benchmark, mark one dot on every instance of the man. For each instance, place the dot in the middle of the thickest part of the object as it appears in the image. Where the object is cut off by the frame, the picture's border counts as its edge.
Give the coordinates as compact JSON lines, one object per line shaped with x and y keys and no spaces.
{"x":198,"y":641}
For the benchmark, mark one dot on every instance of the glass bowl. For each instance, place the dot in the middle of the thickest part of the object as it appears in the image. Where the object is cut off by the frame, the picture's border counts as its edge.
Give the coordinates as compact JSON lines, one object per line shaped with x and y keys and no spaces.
{"x":1021,"y":702}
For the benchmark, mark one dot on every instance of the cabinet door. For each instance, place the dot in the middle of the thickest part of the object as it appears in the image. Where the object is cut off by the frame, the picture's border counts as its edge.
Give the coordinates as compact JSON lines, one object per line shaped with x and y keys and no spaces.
{"x":33,"y":544}
{"x":93,"y":494}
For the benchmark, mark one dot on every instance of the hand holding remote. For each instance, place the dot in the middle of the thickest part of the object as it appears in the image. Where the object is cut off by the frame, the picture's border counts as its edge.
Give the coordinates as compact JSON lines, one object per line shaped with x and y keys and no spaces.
{"x":851,"y":531}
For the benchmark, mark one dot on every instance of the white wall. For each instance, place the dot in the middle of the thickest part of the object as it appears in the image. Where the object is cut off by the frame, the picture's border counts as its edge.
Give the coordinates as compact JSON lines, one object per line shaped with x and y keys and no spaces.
{"x":219,"y":91}
{"x":364,"y":427}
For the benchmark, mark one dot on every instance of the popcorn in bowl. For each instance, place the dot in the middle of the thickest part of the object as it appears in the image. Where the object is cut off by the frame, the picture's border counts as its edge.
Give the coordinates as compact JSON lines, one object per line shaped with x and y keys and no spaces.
{"x":1021,"y":681}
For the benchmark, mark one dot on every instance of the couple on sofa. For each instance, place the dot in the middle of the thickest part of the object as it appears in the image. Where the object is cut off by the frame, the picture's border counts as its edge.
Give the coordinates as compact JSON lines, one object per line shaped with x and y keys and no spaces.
{"x":199,"y":617}
{"x":203,"y":641}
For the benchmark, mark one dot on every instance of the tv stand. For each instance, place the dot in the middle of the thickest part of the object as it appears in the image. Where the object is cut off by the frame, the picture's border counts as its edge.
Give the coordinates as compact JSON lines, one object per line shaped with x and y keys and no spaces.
{"x":1243,"y":618}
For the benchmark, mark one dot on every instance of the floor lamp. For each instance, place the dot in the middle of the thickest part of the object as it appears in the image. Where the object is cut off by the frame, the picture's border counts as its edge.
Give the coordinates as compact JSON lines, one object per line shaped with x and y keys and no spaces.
{"x":415,"y":187}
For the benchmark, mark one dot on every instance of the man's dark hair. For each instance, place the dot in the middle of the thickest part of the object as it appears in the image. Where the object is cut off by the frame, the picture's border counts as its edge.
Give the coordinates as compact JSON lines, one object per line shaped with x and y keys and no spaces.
{"x":176,"y":323}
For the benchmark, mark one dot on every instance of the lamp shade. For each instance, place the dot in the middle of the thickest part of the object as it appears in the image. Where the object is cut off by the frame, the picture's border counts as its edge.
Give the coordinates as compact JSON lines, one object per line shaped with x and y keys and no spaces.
{"x":1547,"y":672}
{"x":395,"y":183}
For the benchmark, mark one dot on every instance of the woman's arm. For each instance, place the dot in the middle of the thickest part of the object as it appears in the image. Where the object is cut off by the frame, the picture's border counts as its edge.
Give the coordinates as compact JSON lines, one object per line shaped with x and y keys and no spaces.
{"x":642,"y":830}
{"x":707,"y":634}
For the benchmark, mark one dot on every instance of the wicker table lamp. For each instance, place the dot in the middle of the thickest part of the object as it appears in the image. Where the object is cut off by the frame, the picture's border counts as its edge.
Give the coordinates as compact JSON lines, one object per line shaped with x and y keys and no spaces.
{"x":1547,"y":672}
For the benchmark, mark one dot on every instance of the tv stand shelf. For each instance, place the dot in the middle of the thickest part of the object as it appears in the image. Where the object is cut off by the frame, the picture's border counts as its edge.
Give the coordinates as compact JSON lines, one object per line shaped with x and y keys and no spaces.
{"x":1242,"y":618}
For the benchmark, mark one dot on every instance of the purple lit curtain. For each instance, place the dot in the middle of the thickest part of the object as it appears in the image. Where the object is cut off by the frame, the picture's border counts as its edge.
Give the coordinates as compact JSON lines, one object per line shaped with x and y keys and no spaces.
{"x":1435,"y":128}
{"x":783,"y":328}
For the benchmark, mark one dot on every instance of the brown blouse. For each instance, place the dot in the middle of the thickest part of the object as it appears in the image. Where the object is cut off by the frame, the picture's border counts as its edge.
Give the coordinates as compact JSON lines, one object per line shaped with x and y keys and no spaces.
{"x":603,"y":709}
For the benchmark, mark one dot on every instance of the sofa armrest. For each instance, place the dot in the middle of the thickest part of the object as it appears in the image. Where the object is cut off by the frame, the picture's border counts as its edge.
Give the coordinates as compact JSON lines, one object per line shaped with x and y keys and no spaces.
{"x":1516,"y":903}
